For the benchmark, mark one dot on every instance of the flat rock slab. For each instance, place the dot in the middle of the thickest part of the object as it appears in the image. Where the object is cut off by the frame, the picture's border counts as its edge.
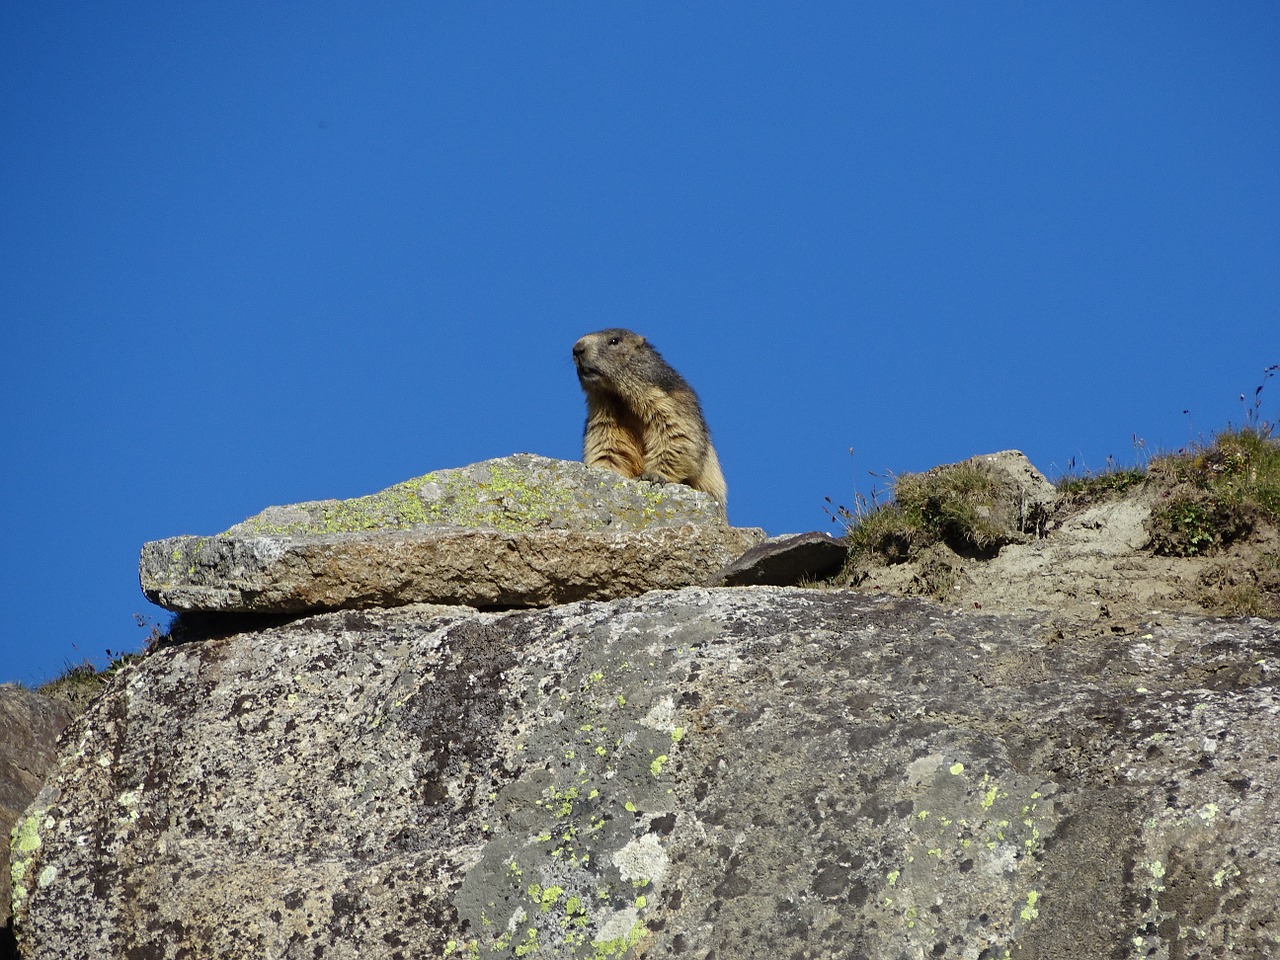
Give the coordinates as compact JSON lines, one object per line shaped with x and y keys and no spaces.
{"x":522,"y":531}
{"x":521,"y":492}
{"x":472,"y":567}
{"x":784,"y":561}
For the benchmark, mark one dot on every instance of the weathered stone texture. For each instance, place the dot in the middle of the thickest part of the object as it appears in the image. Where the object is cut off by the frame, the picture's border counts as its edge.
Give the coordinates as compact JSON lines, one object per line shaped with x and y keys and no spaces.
{"x":521,"y":492}
{"x":30,"y":725}
{"x":471,"y":567}
{"x":748,"y":774}
{"x":517,"y":532}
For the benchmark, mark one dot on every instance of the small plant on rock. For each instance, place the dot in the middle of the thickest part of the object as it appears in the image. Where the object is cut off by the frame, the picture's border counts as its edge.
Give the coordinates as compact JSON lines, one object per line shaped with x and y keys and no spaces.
{"x":1213,"y":497}
{"x":954,"y":505}
{"x":1093,"y":488}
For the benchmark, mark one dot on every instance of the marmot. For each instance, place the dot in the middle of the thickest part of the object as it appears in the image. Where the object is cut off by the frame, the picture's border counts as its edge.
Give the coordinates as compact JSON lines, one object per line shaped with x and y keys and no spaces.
{"x":643,"y":419}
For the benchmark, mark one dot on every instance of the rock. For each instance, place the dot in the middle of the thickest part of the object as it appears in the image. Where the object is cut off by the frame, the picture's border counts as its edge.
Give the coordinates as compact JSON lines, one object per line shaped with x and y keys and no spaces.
{"x":1021,"y":498}
{"x":1036,"y":492}
{"x":477,"y":568}
{"x":520,"y":531}
{"x":519,"y":493}
{"x":747,"y":774}
{"x":30,"y":725}
{"x":784,"y":561}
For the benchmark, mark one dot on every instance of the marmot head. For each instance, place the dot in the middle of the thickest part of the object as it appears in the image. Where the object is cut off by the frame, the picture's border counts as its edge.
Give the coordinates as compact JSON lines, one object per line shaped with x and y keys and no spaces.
{"x":604,"y":357}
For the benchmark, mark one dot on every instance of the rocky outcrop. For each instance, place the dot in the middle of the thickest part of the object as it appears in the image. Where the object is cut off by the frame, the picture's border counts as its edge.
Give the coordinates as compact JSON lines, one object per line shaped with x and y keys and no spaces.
{"x":516,"y":532}
{"x":30,"y":725}
{"x":707,"y":772}
{"x":1089,"y":554}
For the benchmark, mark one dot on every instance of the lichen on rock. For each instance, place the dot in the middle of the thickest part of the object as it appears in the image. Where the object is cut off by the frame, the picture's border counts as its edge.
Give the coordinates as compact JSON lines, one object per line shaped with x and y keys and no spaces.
{"x":516,"y":532}
{"x":519,"y":493}
{"x":745,"y":773}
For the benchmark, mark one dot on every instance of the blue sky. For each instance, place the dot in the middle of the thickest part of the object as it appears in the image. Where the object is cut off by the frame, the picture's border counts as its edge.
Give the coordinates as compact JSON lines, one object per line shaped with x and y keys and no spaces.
{"x":257,"y":253}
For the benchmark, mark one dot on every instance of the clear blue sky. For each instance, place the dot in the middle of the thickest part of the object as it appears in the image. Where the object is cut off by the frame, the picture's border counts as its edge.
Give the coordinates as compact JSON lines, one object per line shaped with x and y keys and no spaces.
{"x":257,"y":253}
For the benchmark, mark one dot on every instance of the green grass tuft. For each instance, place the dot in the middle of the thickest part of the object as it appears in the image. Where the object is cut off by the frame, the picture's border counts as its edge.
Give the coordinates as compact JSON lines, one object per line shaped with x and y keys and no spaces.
{"x":1093,"y":488}
{"x":1212,"y":497}
{"x":954,"y":505}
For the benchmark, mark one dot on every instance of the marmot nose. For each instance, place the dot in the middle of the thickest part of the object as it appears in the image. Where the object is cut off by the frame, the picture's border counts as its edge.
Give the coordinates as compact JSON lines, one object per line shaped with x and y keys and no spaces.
{"x":579,"y":349}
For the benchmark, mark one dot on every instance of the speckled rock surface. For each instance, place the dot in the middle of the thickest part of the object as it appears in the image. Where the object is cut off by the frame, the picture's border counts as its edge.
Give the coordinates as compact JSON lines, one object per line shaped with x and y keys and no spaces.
{"x":30,"y":725}
{"x":748,"y":773}
{"x":478,"y":568}
{"x":520,"y":531}
{"x":521,"y":492}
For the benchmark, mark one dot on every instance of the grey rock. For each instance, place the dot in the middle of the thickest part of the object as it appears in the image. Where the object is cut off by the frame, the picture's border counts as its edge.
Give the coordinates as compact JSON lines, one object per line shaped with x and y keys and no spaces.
{"x":471,"y":567}
{"x":747,"y":774}
{"x":519,"y":493}
{"x":1025,"y":497}
{"x":520,"y":531}
{"x":784,"y":561}
{"x":30,"y":725}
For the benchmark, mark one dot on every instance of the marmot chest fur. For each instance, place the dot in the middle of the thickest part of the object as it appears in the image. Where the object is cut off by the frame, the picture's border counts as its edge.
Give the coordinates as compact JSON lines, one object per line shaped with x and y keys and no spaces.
{"x":643,"y":420}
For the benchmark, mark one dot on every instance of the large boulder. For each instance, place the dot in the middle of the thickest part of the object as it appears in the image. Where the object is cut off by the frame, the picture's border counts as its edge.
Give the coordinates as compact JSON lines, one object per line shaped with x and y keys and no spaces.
{"x":516,"y":532}
{"x":30,"y":725}
{"x":746,"y":773}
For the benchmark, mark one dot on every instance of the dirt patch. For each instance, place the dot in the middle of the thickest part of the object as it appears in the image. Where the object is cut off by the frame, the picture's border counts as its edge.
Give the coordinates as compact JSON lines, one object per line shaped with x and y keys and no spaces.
{"x":1093,"y":562}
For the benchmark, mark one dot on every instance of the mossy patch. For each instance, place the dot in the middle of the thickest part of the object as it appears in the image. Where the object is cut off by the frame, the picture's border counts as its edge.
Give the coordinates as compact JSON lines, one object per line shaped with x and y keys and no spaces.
{"x":1095,"y":488}
{"x":1215,"y":496}
{"x":965,"y":509}
{"x":513,"y":494}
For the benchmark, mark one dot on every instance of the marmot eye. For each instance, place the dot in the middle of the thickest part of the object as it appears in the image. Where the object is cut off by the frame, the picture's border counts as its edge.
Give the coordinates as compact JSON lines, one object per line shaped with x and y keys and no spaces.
{"x":614,"y":341}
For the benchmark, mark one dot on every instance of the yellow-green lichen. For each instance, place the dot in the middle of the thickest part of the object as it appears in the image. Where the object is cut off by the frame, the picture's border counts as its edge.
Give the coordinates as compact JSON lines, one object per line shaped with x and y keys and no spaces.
{"x":617,"y":946}
{"x":496,"y":496}
{"x":545,"y":897}
{"x":26,"y":841}
{"x":1029,"y":910}
{"x":529,"y":945}
{"x":26,"y":838}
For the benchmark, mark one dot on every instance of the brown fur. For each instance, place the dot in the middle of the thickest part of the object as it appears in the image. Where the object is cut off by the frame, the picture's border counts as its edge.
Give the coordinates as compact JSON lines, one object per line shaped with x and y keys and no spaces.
{"x":643,"y":420}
